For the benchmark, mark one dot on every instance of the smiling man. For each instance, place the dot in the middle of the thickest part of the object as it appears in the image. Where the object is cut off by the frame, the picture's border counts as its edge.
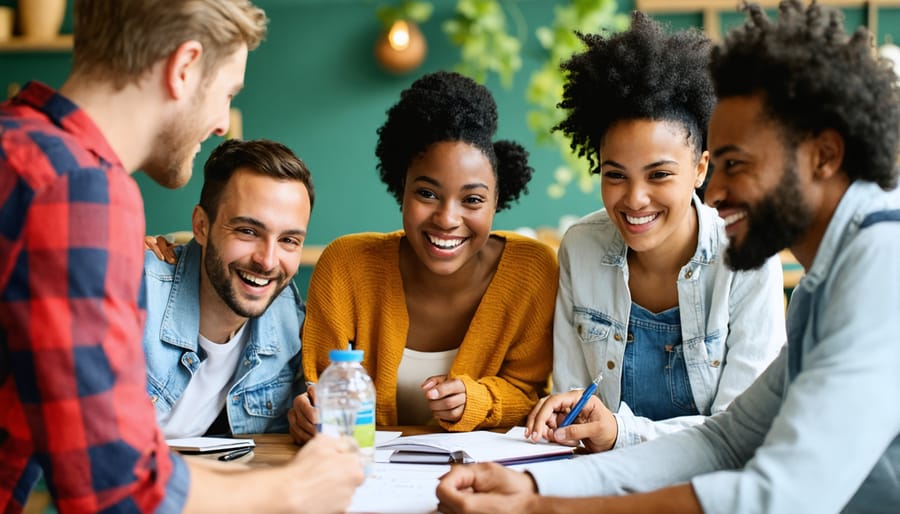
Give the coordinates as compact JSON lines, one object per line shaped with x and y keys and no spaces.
{"x":73,"y":399}
{"x":222,"y":337}
{"x":804,"y":140}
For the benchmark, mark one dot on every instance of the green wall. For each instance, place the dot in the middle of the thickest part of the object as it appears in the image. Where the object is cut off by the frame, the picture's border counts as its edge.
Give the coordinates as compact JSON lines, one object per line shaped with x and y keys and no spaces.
{"x":314,"y":86}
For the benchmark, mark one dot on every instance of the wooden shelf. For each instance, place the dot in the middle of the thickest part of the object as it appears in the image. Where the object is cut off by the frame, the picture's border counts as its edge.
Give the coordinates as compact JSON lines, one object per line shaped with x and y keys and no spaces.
{"x":711,"y":10}
{"x":61,"y":43}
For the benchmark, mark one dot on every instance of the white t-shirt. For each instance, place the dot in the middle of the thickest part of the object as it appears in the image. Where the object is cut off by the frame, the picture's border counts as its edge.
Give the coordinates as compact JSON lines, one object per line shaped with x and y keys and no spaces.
{"x":205,"y":394}
{"x":415,"y":367}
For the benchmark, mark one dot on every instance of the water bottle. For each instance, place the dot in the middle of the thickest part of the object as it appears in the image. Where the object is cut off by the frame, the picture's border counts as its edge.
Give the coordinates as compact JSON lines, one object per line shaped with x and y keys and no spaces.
{"x":345,"y":402}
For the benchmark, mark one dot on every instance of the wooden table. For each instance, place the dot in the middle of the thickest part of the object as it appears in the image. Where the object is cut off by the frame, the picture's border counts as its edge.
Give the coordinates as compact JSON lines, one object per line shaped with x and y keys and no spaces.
{"x":277,"y":449}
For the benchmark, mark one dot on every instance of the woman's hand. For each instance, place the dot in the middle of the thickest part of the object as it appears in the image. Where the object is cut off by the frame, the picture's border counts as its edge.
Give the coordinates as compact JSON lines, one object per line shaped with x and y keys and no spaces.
{"x":161,"y":247}
{"x":446,"y":397}
{"x":595,"y":426}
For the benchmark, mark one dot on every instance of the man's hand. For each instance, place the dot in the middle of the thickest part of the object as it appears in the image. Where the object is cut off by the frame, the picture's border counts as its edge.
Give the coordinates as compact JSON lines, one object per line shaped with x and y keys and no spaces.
{"x":323,"y":476}
{"x":595,"y":426}
{"x":302,"y":417}
{"x":485,"y":487}
{"x":446,"y":398}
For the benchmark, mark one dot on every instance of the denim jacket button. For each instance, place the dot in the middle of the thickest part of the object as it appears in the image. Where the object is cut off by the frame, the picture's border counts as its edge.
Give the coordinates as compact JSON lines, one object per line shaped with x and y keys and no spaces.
{"x":715,"y":363}
{"x":630,"y":338}
{"x":236,"y":398}
{"x":580,"y":331}
{"x":610,"y":364}
{"x":269,"y":405}
{"x":617,"y":337}
{"x":688,"y":274}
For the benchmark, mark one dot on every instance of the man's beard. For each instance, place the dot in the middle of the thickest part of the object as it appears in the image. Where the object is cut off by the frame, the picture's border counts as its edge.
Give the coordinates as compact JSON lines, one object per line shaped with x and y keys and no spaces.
{"x":172,"y":161}
{"x":217,"y":272}
{"x":773,"y":224}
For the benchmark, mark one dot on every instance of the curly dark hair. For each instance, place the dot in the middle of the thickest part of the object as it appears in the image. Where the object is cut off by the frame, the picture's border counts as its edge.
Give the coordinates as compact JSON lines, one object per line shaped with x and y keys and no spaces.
{"x":446,"y":106}
{"x":814,"y":76}
{"x":642,"y":73}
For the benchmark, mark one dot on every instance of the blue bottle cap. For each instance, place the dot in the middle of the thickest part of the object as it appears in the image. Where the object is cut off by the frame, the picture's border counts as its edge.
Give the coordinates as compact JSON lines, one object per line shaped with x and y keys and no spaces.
{"x":345,"y":355}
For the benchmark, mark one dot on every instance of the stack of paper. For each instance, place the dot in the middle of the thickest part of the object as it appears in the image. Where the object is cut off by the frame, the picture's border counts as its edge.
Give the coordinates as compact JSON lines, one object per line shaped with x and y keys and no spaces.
{"x":208,"y":444}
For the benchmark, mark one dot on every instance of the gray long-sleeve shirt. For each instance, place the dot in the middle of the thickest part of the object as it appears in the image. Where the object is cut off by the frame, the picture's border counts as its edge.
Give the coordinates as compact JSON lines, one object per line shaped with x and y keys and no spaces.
{"x":818,"y":431}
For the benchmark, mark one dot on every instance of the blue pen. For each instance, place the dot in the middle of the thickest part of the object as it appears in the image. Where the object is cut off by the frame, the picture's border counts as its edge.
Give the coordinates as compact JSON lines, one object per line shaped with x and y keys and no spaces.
{"x":588,"y":392}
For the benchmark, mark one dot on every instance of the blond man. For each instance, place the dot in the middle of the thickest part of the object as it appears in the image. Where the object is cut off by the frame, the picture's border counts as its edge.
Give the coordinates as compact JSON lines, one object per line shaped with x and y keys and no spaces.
{"x":151,"y":80}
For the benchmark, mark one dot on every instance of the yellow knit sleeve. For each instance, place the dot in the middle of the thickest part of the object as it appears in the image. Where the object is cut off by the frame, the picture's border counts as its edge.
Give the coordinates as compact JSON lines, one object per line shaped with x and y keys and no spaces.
{"x":517,"y":336}
{"x":329,"y":308}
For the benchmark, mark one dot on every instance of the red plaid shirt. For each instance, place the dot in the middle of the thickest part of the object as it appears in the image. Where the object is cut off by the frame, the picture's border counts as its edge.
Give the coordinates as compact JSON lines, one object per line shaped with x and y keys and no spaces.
{"x":73,"y":400}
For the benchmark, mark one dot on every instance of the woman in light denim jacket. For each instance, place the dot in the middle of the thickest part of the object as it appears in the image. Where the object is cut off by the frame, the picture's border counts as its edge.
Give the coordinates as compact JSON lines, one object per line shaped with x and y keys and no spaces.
{"x":645,"y":299}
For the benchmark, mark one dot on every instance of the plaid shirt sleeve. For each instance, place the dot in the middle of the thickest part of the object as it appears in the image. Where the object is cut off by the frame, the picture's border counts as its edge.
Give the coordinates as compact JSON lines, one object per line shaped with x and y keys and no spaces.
{"x":72,"y":376}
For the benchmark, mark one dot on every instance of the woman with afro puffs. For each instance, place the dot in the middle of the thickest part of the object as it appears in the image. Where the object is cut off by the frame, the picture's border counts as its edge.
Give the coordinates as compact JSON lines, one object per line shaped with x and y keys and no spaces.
{"x":455,"y":319}
{"x":646,"y":299}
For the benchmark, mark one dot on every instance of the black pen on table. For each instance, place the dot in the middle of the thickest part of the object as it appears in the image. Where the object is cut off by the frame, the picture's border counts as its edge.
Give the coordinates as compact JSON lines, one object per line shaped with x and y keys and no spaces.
{"x":576,"y":410}
{"x":236,"y":454}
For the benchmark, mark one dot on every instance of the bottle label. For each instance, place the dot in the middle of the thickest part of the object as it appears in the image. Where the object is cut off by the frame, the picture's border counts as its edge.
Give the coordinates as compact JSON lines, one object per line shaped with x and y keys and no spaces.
{"x":364,"y":432}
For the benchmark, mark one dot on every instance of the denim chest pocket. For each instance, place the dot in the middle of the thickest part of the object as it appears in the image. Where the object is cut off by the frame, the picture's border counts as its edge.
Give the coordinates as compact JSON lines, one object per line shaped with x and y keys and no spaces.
{"x":591,"y":328}
{"x":714,"y":344}
{"x":270,"y":399}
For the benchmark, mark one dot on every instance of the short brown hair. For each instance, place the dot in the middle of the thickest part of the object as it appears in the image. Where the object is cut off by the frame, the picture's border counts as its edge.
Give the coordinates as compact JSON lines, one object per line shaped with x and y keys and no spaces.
{"x":260,"y":156}
{"x":120,"y":40}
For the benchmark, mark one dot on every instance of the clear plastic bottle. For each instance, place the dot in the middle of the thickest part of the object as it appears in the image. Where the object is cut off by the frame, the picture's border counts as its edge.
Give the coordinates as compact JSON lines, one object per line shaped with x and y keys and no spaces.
{"x":345,"y":401}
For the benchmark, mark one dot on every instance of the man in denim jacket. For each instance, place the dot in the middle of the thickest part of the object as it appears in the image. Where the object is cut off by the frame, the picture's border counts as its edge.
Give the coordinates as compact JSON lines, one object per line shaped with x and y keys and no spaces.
{"x":804,"y":141}
{"x":222,"y":337}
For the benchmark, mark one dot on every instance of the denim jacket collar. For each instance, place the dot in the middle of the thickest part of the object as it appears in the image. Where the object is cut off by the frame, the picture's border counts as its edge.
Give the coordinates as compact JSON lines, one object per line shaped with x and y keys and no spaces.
{"x":708,"y":235}
{"x":181,"y":320}
{"x":856,"y":203}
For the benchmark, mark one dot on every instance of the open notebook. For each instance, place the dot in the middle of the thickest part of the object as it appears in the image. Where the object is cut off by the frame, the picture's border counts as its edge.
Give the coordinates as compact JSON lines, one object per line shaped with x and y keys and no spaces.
{"x":477,"y":446}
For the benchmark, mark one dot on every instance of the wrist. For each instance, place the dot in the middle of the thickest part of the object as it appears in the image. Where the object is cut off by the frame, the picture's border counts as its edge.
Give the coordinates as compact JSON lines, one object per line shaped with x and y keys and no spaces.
{"x":613,"y":431}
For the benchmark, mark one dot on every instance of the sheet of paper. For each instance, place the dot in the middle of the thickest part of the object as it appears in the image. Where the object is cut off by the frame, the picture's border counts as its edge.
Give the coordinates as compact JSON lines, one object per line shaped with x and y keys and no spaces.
{"x":398,"y":489}
{"x":385,"y":436}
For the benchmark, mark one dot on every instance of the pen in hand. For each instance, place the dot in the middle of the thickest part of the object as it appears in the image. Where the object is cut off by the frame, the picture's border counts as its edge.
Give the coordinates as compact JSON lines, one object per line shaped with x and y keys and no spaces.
{"x":576,"y":410}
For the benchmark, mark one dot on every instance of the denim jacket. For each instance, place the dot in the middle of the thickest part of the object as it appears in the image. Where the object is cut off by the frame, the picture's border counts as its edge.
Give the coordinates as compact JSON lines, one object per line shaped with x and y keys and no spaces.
{"x":269,"y":373}
{"x":732,"y":323}
{"x":820,"y":430}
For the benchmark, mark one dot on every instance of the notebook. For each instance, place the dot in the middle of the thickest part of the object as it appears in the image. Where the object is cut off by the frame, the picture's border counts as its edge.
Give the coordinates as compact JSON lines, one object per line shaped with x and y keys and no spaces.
{"x":208,"y":444}
{"x":477,"y":446}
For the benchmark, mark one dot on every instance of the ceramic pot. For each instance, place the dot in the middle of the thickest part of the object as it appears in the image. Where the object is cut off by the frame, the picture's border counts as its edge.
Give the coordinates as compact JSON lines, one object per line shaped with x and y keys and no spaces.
{"x":41,"y":19}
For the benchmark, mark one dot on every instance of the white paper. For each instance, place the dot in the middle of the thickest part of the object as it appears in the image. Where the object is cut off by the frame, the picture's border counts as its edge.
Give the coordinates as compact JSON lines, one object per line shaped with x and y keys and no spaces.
{"x":385,"y":436}
{"x":398,"y":489}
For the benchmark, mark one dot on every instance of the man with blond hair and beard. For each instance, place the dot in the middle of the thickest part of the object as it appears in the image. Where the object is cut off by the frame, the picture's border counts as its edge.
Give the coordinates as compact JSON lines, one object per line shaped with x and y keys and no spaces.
{"x":151,"y":80}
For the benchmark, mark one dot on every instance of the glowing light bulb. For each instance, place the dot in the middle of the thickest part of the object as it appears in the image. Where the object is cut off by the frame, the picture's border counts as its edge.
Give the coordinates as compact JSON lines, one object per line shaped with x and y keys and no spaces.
{"x":398,"y":37}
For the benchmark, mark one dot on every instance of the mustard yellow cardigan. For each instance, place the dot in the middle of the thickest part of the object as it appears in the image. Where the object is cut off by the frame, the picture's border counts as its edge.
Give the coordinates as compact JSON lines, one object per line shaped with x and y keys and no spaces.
{"x":356,"y":294}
